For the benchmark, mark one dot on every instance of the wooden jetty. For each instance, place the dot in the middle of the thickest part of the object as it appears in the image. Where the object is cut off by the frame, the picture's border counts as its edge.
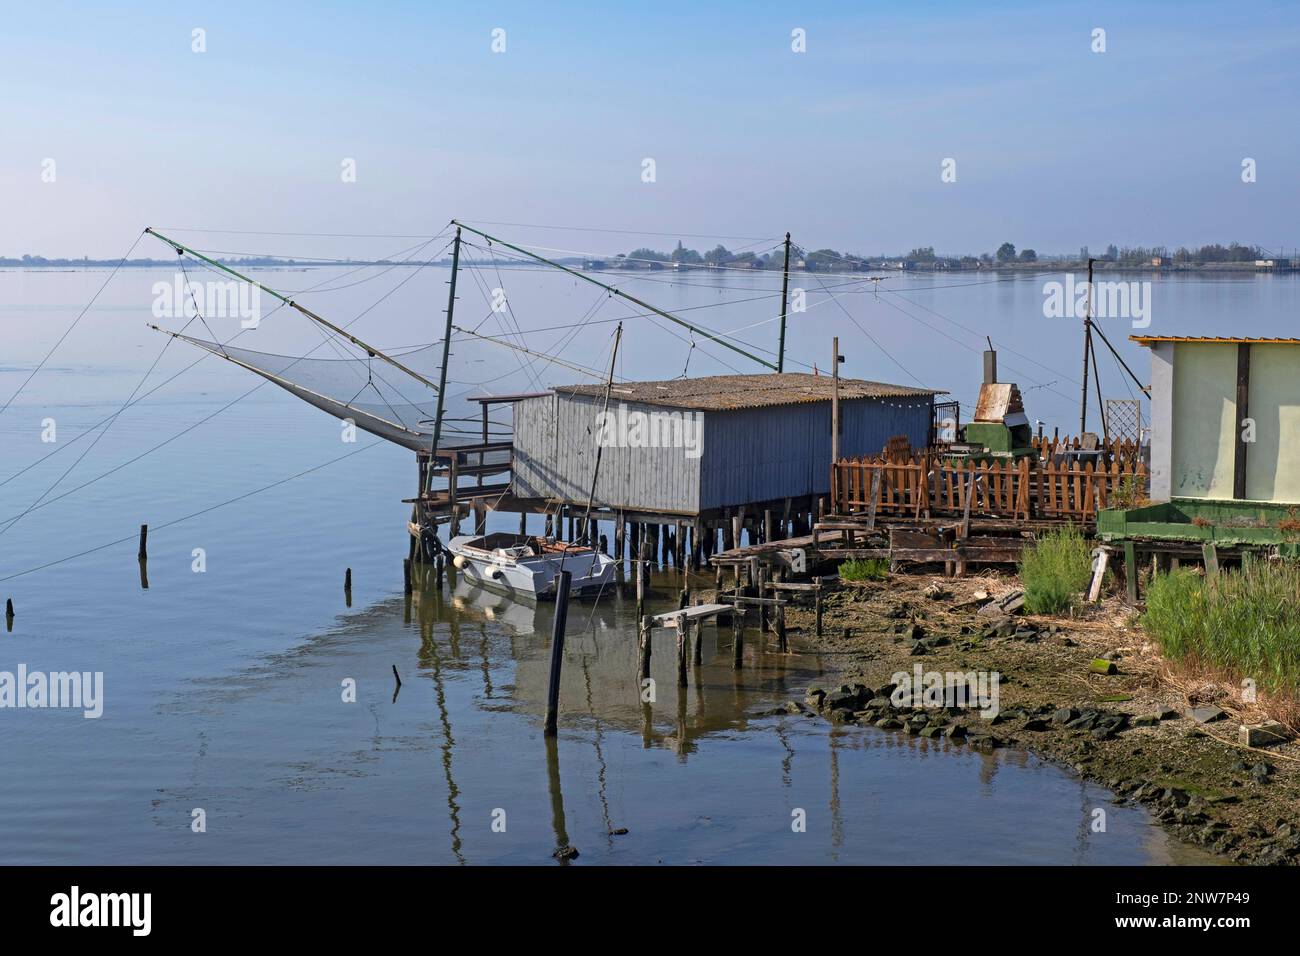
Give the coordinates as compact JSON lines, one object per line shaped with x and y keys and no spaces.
{"x":929,"y":508}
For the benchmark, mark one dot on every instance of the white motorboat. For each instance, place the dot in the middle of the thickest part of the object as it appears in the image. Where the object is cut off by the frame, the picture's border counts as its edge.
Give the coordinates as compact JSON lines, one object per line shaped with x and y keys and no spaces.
{"x":527,"y":566}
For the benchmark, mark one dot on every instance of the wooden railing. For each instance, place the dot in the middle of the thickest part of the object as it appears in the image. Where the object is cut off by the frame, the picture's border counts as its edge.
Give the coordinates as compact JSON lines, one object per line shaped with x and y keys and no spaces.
{"x":1018,"y":491}
{"x":1125,"y":451}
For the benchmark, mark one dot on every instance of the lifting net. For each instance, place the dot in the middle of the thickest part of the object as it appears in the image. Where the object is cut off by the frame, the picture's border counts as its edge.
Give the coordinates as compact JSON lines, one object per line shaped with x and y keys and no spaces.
{"x":378,"y":397}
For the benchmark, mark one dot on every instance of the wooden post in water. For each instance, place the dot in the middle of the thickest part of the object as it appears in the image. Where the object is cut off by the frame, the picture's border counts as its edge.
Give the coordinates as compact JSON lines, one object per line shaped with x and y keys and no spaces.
{"x":347,"y":580}
{"x":452,"y":472}
{"x":144,"y":543}
{"x":406,"y":574}
{"x":680,"y":625}
{"x":645,"y":646}
{"x":781,"y":644}
{"x":557,"y":653}
{"x":698,"y":653}
{"x":817,"y":599}
{"x":737,"y":635}
{"x":639,"y":564}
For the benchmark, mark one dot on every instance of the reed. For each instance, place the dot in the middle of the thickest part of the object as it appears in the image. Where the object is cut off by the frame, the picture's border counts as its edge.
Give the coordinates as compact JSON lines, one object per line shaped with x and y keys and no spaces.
{"x":1055,"y":571}
{"x":1242,"y":621}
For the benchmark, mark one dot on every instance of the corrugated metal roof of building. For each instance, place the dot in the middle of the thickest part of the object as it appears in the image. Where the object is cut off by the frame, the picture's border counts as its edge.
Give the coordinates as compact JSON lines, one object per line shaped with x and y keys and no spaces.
{"x":724,"y":392}
{"x":1210,"y":339}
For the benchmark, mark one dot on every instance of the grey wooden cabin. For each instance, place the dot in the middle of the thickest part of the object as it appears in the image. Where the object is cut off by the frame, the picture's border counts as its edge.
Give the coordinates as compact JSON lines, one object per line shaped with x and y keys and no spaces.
{"x":705,"y":445}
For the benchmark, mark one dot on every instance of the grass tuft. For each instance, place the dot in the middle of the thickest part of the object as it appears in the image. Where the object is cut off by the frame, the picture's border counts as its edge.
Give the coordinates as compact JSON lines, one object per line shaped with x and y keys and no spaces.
{"x":872,"y":569}
{"x":1055,"y":571}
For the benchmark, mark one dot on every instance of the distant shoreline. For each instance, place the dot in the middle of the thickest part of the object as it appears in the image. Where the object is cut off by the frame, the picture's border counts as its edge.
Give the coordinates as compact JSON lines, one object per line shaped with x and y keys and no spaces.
{"x":1040,"y":266}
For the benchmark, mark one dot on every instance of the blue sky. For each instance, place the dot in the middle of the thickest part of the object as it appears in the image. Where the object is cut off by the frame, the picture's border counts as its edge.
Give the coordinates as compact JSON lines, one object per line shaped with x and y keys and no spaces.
{"x":1056,"y":146}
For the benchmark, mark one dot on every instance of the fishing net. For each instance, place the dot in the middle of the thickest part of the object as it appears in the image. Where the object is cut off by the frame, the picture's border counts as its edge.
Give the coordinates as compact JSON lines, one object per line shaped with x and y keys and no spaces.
{"x":379,"y":397}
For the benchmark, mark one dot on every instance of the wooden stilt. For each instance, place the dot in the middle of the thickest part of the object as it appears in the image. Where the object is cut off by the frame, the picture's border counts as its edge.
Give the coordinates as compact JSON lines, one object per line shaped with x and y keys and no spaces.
{"x":680,"y":627}
{"x":1131,"y":571}
{"x":640,"y":586}
{"x":645,"y":645}
{"x":557,"y":653}
{"x":738,"y":635}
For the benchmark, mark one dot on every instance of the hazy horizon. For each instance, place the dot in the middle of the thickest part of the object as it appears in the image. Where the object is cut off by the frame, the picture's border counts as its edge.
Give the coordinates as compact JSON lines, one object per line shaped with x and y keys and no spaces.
{"x":1056,"y":146}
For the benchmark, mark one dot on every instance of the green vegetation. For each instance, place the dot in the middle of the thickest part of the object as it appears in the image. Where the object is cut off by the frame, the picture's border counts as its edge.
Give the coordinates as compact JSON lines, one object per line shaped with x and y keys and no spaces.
{"x":872,"y":569}
{"x":1243,"y":621}
{"x":1055,"y":571}
{"x":1129,"y":493}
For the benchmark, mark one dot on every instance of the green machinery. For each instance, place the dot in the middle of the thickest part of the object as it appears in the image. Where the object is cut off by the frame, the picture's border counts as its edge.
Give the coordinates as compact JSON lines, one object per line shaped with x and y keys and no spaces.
{"x":1000,"y":431}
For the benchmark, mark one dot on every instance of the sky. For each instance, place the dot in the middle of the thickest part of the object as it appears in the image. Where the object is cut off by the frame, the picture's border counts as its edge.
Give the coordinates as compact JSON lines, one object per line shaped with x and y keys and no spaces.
{"x":843,"y":144}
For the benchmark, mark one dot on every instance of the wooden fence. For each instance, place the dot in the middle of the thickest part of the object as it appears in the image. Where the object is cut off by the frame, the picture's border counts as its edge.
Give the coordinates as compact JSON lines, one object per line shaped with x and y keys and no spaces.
{"x":1019,"y":491}
{"x":1123,"y":451}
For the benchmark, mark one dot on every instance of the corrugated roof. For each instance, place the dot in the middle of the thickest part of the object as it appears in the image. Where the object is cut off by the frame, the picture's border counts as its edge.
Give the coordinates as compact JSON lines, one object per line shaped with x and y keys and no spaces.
{"x":722,"y":392}
{"x":1210,"y":339}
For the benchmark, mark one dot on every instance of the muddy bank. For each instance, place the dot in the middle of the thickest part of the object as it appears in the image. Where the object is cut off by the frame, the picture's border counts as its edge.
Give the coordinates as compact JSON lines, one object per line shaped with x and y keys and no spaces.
{"x":1140,"y":731}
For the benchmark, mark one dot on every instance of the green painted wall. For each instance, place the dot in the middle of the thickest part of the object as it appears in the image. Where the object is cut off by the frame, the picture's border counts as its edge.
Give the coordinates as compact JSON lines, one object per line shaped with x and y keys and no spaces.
{"x":1273,"y":461}
{"x":1205,"y":411}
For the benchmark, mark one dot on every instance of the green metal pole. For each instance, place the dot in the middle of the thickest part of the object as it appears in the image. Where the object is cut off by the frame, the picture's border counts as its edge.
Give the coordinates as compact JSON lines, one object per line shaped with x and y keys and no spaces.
{"x":370,"y":349}
{"x":618,"y":292}
{"x":785,"y":287}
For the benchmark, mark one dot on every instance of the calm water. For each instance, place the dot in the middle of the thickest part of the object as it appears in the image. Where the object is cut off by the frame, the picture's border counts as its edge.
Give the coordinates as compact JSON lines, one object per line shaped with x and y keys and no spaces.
{"x":223,"y":688}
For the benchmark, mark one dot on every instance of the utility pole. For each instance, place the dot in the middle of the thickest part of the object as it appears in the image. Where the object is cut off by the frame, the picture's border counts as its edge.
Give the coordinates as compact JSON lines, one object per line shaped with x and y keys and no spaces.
{"x":446,"y":341}
{"x":835,"y":401}
{"x":785,"y":288}
{"x":1087,"y":349}
{"x":609,"y":385}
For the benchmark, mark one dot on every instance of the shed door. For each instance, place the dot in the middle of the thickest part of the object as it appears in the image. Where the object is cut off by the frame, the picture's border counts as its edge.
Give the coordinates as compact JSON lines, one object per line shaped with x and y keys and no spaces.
{"x":1273,"y":461}
{"x":1205,"y":413}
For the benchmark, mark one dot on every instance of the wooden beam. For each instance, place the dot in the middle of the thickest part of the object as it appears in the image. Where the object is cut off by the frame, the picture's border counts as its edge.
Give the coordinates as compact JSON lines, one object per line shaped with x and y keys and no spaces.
{"x":1131,"y":571}
{"x":1243,"y":411}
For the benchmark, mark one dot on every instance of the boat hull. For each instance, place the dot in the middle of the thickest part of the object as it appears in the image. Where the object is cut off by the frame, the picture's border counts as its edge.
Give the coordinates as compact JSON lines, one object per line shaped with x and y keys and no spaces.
{"x":532,"y":577}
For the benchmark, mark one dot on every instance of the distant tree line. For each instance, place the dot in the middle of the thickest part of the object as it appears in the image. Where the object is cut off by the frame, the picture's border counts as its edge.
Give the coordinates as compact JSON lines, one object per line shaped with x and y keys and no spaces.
{"x":925,"y":257}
